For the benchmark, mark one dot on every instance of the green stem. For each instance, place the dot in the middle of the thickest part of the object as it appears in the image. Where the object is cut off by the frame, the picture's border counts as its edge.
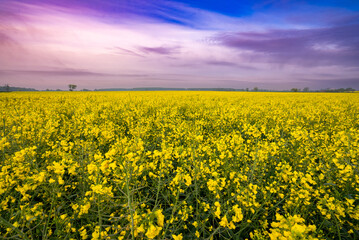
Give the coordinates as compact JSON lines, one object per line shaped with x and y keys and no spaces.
{"x":129,"y":200}
{"x":8,"y":224}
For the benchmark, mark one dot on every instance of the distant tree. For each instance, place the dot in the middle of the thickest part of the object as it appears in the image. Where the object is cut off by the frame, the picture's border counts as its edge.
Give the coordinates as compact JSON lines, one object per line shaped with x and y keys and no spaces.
{"x":294,"y":89}
{"x":255,"y":89}
{"x":72,"y":87}
{"x":247,"y":89}
{"x":349,"y":89}
{"x":7,"y":88}
{"x":306,"y":89}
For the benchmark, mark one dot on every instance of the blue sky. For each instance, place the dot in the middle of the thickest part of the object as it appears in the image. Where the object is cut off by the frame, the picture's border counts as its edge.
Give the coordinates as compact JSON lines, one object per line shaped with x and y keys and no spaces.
{"x":241,"y":44}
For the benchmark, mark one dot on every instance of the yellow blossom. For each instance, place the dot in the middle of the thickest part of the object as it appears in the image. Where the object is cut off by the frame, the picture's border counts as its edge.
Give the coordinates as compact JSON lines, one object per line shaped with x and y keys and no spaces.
{"x":177,"y":237}
{"x":153,"y":231}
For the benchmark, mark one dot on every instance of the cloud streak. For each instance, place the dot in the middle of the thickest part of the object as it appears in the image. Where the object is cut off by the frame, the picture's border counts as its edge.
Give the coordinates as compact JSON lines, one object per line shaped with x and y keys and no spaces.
{"x":159,"y":50}
{"x":68,"y":73}
{"x":307,"y":47}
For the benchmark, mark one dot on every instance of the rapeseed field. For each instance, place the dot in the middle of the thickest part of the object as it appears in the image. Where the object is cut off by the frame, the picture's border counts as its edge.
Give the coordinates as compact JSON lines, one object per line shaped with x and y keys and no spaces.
{"x":179,"y":165}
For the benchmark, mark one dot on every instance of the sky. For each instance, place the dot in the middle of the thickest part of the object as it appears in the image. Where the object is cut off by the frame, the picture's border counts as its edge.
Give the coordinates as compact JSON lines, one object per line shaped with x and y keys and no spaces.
{"x":94,"y":44}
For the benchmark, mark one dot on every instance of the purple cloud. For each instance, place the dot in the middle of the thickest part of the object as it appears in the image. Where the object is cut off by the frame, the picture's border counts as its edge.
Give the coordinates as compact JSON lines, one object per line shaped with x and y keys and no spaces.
{"x":159,"y":50}
{"x":125,"y":51}
{"x":331,"y":83}
{"x":66,"y":72}
{"x":229,"y":64}
{"x":62,"y":72}
{"x":306,"y":47}
{"x":220,"y":63}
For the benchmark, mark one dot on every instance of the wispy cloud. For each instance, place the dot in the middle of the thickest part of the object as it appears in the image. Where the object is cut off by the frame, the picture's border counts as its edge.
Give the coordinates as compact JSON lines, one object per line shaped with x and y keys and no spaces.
{"x":306,"y":47}
{"x":332,"y":83}
{"x":160,"y":50}
{"x":229,"y":64}
{"x":125,"y":51}
{"x":63,"y":72}
{"x":220,"y":63}
{"x":68,"y":73}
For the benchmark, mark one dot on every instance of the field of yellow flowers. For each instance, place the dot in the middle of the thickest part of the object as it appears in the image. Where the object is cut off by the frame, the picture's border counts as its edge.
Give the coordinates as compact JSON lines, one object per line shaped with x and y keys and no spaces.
{"x":179,"y":165}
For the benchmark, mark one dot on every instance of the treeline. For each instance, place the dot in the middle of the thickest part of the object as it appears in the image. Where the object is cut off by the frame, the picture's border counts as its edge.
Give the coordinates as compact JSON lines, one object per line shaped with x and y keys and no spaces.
{"x":255,"y":89}
{"x":7,"y":88}
{"x":168,"y":89}
{"x":338,"y":90}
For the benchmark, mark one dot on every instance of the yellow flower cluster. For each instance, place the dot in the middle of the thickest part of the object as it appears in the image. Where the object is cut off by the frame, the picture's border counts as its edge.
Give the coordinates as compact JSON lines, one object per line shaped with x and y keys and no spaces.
{"x":290,"y":228}
{"x":179,"y":165}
